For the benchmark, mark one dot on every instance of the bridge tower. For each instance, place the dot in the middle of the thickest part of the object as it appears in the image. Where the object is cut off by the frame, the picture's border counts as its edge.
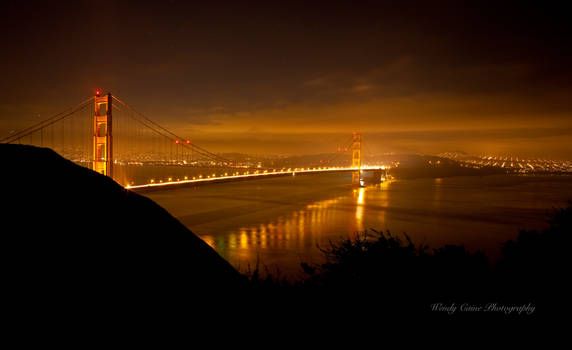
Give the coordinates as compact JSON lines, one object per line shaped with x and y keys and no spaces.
{"x":356,"y":160}
{"x":102,"y":136}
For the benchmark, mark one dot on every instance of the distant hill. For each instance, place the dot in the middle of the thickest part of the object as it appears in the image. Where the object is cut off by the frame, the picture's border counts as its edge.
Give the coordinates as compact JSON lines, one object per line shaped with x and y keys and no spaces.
{"x":73,"y":239}
{"x":419,"y":166}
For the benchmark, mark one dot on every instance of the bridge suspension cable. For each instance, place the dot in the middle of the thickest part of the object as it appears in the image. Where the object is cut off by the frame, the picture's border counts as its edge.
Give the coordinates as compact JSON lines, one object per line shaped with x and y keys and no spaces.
{"x":84,"y":135}
{"x":161,"y":130}
{"x":340,"y":151}
{"x":46,"y":122}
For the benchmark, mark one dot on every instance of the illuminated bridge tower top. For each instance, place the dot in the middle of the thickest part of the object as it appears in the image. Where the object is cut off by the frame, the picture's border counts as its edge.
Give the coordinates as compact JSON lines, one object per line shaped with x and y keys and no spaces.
{"x":102,"y":136}
{"x":356,"y":160}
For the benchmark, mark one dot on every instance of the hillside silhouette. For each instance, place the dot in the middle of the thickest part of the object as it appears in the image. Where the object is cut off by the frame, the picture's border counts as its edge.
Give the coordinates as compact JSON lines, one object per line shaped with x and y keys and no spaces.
{"x":75,"y":241}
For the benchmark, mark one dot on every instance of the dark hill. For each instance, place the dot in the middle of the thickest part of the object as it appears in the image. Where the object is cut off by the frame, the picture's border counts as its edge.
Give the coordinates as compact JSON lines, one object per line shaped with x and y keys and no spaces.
{"x":74,"y":239}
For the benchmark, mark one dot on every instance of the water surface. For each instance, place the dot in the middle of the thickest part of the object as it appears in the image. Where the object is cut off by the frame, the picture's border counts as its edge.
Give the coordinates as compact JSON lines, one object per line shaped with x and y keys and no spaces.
{"x":281,"y":221}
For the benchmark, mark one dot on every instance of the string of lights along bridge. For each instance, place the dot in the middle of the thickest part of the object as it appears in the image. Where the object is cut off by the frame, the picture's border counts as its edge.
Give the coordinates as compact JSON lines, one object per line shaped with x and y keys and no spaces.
{"x":107,"y":135}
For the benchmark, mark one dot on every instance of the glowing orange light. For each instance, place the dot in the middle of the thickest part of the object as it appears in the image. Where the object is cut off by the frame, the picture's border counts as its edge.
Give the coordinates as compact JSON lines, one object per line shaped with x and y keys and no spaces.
{"x":177,"y":142}
{"x":188,"y":141}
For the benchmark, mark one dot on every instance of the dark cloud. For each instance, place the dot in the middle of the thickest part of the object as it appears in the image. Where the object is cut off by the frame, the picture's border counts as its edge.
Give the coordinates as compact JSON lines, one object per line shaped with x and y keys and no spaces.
{"x":328,"y":66}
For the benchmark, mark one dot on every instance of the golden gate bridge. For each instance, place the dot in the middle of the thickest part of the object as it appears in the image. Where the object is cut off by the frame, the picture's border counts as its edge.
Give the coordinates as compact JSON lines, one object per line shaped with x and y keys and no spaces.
{"x":109,"y":136}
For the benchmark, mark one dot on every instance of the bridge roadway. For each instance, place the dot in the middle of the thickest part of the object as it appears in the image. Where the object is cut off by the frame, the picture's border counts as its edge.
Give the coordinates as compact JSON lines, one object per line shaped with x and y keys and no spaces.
{"x":221,"y":179}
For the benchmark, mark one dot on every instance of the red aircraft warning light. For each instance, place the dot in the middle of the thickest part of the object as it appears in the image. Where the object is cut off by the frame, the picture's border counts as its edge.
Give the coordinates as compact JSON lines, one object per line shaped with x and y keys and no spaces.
{"x":188,"y":141}
{"x":97,"y":92}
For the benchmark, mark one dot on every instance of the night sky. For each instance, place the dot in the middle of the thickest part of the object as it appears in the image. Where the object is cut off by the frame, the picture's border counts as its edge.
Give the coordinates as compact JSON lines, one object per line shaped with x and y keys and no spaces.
{"x":298,"y":77}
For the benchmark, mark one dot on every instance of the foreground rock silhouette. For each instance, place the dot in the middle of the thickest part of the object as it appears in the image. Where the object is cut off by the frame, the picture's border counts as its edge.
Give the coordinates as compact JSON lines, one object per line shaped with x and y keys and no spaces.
{"x":74,"y":240}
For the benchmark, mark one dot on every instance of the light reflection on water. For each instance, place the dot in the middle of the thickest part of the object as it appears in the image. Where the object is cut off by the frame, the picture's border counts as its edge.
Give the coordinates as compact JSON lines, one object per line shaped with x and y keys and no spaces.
{"x":280,"y":222}
{"x":300,"y":230}
{"x":359,"y":194}
{"x":289,"y":239}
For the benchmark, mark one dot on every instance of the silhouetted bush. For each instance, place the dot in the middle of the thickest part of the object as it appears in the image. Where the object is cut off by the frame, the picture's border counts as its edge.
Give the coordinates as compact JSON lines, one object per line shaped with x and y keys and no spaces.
{"x":535,"y":265}
{"x":394,"y":274}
